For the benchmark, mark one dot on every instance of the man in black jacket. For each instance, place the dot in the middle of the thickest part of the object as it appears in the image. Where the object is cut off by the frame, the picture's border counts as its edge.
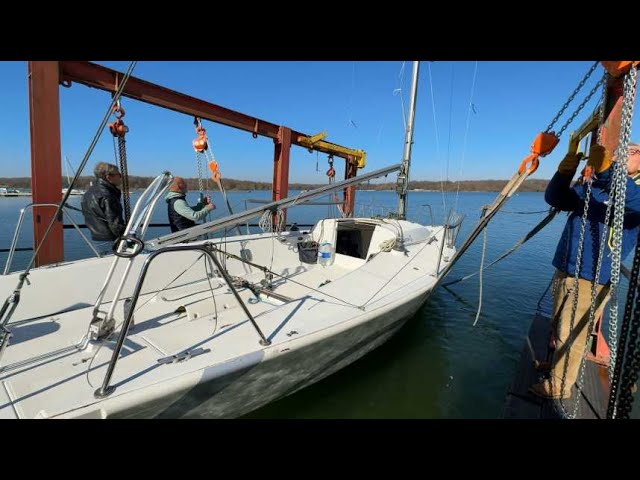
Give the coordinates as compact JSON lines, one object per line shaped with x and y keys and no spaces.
{"x":101,"y":206}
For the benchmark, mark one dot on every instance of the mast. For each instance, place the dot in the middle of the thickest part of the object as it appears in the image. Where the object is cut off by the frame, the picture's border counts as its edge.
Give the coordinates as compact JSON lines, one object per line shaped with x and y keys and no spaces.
{"x":403,"y":176}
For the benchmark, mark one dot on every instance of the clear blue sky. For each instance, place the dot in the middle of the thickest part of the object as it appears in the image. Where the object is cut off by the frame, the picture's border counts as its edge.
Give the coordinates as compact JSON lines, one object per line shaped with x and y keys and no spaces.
{"x":353,"y":101}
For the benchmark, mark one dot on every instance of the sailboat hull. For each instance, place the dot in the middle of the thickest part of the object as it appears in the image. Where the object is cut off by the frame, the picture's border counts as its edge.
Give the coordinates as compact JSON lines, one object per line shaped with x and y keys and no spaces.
{"x":249,"y":388}
{"x":193,"y":352}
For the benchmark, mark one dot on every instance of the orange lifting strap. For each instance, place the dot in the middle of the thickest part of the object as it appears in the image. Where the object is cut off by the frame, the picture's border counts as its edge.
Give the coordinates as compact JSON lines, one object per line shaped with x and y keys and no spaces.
{"x":542,"y":146}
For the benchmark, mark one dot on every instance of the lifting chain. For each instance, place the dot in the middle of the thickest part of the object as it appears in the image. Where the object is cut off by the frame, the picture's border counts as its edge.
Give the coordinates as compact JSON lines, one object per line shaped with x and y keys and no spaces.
{"x":200,"y":145}
{"x":571,"y":97}
{"x":574,"y":305}
{"x":603,"y":106}
{"x":118,"y":129}
{"x":631,"y":354}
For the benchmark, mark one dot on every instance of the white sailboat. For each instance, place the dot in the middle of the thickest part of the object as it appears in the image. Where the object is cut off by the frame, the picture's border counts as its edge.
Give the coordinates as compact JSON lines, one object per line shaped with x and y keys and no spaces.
{"x":220,"y":327}
{"x":74,"y":191}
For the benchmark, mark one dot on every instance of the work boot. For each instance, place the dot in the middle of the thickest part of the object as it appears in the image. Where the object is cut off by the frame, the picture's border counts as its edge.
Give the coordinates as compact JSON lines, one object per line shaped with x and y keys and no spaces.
{"x":544,"y":367}
{"x":545,"y":390}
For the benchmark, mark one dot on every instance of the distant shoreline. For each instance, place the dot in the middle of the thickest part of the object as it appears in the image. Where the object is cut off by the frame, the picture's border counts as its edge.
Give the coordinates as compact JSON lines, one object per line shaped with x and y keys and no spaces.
{"x":231,"y":184}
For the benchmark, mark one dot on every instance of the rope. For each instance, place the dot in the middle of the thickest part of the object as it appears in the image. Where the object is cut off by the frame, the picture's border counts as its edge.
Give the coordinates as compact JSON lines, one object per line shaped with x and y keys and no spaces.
{"x":515,"y":247}
{"x":387,"y":245}
{"x":484,"y":249}
{"x":267,"y":224}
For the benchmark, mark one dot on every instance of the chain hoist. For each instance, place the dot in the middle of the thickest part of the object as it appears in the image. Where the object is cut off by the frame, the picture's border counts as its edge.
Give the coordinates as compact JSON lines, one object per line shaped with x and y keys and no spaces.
{"x":118,"y":129}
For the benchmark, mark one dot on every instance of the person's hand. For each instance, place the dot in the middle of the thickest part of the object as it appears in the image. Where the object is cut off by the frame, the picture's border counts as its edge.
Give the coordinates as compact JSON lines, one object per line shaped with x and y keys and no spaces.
{"x":599,"y":158}
{"x":569,"y":163}
{"x":209,"y":206}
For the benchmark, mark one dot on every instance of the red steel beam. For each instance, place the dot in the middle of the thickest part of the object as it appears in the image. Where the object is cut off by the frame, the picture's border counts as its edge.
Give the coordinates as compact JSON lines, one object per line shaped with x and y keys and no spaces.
{"x":46,"y":166}
{"x":282,"y":150}
{"x":106,"y":79}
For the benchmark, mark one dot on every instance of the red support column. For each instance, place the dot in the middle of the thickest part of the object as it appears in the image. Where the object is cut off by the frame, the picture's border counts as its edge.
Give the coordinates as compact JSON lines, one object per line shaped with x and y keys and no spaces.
{"x":350,"y":171}
{"x":613,"y":114}
{"x":281,"y":166}
{"x":46,"y":167}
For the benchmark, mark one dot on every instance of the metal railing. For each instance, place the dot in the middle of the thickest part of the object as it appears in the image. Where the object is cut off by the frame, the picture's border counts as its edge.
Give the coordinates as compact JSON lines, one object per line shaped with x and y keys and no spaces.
{"x":206,"y":249}
{"x":14,"y":243}
{"x":450,"y":234}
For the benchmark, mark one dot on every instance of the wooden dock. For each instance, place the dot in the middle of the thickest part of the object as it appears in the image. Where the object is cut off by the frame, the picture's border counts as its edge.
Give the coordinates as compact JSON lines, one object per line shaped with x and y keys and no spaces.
{"x":592,"y":399}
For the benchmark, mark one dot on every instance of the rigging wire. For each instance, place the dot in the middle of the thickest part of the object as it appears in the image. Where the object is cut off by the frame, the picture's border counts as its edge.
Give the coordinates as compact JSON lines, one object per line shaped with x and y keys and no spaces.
{"x":398,"y":91}
{"x":466,"y":132}
{"x":350,"y":121}
{"x":450,"y":122}
{"x":435,"y":126}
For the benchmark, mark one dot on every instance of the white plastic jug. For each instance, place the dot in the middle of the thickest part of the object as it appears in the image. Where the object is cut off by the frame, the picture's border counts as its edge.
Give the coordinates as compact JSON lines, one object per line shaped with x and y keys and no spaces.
{"x":325,"y":254}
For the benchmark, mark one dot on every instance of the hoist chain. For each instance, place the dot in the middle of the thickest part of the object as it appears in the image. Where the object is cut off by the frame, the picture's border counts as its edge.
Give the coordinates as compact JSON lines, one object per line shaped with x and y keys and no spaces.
{"x":592,"y":307}
{"x":118,"y":129}
{"x":126,"y":194}
{"x":603,"y":105}
{"x":629,"y":364}
{"x":580,"y":107}
{"x":200,"y":180}
{"x":574,"y":305}
{"x":573,"y":95}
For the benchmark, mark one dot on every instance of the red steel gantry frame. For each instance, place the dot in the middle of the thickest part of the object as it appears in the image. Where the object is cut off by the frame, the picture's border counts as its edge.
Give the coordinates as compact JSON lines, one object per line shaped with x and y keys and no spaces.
{"x":46,"y":168}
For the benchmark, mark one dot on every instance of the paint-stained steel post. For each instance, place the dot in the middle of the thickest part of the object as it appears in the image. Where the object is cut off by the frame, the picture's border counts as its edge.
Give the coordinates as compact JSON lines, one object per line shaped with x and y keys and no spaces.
{"x":280,"y":186}
{"x":350,"y":171}
{"x":610,"y":133}
{"x":46,"y":166}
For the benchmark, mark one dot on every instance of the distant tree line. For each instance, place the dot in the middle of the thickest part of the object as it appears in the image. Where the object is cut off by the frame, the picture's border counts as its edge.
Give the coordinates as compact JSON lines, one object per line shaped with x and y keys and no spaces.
{"x":531,"y":185}
{"x":136,"y":183}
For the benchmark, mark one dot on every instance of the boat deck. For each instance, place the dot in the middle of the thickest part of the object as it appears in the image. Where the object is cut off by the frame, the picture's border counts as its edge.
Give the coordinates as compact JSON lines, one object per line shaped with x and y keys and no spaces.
{"x":324,"y":322}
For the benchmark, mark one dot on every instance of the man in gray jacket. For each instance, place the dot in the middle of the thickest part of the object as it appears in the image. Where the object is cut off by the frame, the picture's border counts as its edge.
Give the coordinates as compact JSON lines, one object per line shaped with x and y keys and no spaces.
{"x":181,"y":215}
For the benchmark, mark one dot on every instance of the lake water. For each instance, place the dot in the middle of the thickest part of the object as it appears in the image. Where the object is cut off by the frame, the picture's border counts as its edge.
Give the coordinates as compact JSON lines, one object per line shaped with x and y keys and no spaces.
{"x":439,"y":365}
